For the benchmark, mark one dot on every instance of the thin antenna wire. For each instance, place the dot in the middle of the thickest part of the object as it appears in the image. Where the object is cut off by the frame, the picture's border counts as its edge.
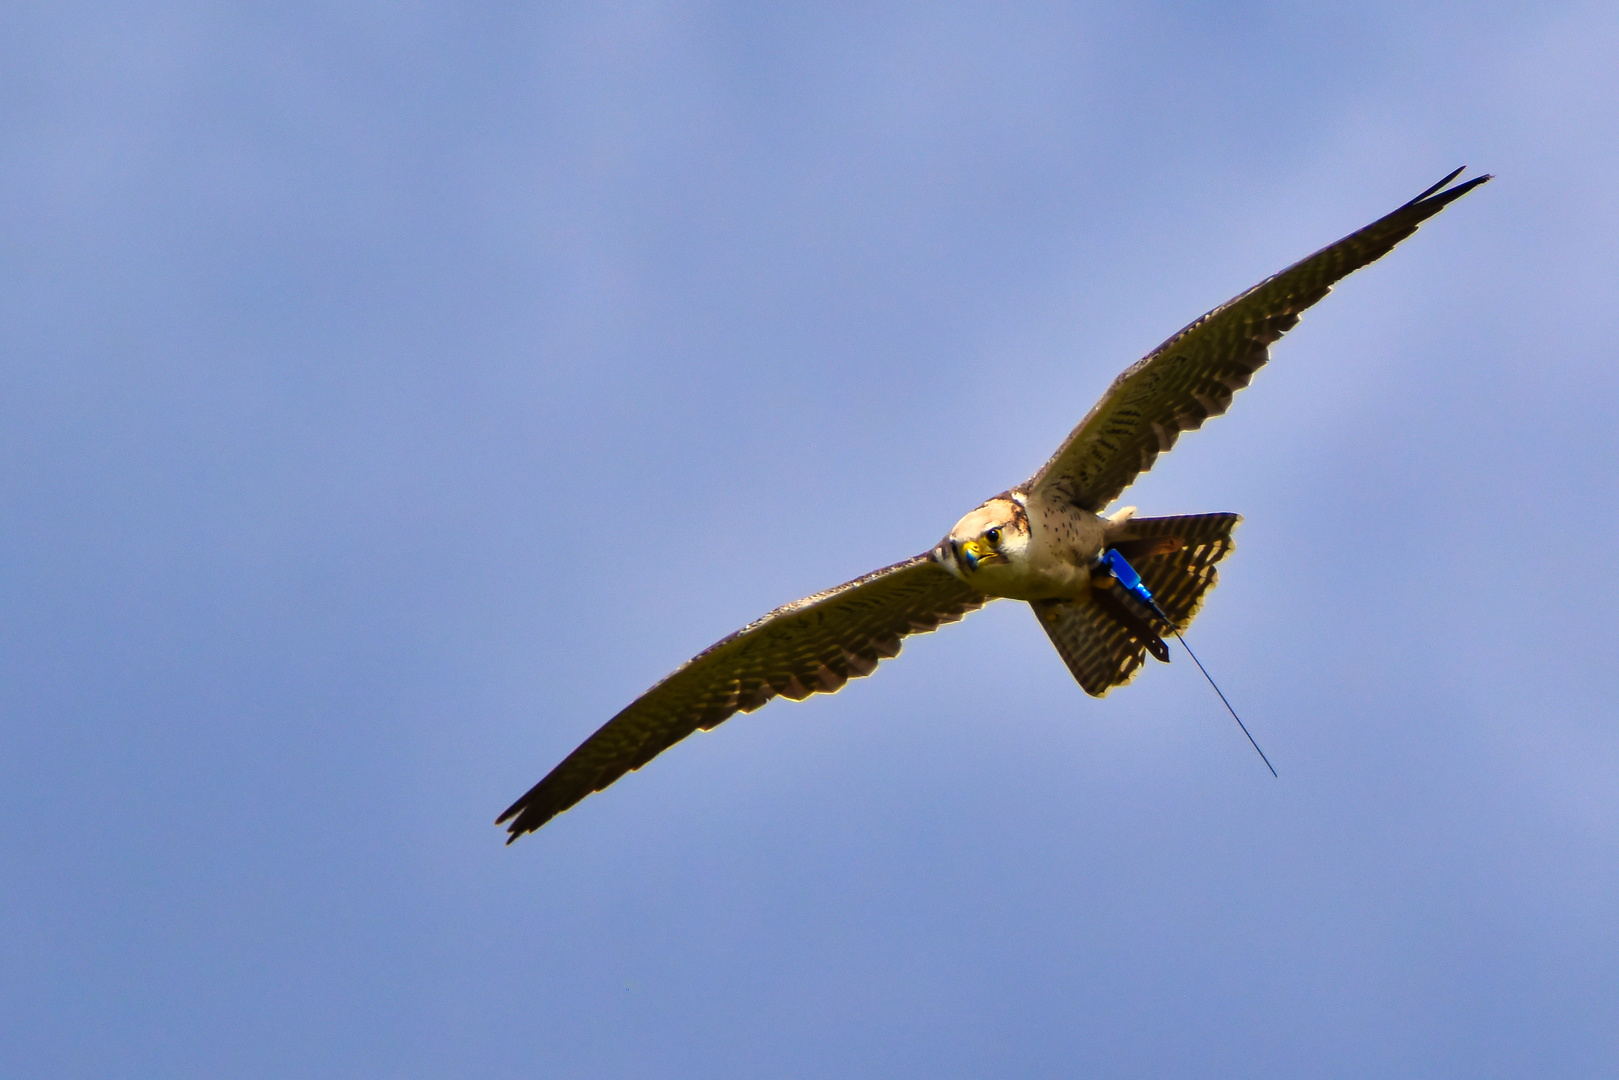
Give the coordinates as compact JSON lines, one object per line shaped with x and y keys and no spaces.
{"x":1228,"y":707}
{"x":1126,"y":574}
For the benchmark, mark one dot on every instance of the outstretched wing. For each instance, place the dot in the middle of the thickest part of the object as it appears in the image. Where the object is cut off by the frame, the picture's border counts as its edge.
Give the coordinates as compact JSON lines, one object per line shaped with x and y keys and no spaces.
{"x":1194,"y":374}
{"x":813,"y":645}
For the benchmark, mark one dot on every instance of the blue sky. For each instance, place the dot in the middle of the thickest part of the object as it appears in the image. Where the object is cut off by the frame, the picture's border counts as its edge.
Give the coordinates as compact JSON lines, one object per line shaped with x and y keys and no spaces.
{"x":389,"y":394}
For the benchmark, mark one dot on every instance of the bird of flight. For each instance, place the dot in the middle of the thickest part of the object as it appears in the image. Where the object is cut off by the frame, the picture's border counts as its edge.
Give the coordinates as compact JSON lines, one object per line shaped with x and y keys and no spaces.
{"x":1044,"y":542}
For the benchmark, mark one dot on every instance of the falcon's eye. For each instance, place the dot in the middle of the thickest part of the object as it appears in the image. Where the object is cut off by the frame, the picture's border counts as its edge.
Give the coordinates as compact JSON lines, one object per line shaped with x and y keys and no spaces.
{"x":993,"y":536}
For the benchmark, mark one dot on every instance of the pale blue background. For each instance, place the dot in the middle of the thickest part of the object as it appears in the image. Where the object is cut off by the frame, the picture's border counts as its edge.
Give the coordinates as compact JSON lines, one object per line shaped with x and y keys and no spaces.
{"x":390,"y":393}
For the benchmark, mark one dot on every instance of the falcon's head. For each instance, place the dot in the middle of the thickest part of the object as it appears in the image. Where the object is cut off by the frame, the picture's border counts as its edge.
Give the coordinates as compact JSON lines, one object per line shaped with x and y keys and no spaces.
{"x":989,"y":544}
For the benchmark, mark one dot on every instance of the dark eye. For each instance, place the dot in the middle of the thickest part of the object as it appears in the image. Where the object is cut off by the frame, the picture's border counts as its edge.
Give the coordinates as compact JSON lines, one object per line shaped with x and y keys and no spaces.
{"x":993,"y":536}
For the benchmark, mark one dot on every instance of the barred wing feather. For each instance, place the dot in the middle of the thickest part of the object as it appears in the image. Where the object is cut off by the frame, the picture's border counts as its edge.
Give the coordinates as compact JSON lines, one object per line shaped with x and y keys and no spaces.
{"x":1194,"y":374}
{"x":813,"y":645}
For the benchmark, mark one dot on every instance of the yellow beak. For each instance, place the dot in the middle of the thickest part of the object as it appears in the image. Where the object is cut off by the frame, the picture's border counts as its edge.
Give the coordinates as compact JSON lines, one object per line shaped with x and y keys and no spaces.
{"x":977,"y":551}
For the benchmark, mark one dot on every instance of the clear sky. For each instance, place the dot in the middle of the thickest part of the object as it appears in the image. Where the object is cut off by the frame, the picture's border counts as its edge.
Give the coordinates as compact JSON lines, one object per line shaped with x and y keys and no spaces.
{"x":390,"y":393}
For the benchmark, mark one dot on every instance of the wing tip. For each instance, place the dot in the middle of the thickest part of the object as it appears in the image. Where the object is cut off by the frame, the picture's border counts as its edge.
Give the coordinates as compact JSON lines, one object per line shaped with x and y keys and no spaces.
{"x":1440,"y":195}
{"x":523,"y":823}
{"x":525,"y":815}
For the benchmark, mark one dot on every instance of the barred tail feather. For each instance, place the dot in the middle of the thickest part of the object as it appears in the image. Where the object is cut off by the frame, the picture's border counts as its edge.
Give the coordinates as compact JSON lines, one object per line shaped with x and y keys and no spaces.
{"x":1175,"y":557}
{"x":1180,"y":578}
{"x":1099,"y":651}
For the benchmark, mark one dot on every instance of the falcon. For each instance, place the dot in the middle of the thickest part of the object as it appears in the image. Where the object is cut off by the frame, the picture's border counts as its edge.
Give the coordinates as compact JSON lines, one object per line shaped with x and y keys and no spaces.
{"x":1044,"y":542}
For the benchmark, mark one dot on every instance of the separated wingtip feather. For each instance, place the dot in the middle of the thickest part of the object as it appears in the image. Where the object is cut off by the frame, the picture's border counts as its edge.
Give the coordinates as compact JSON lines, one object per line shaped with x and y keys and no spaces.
{"x":1439,"y":197}
{"x":1439,"y":185}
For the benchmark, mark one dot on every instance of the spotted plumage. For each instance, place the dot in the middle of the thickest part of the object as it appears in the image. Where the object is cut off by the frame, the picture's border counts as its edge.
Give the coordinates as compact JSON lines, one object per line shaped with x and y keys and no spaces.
{"x":1040,"y":542}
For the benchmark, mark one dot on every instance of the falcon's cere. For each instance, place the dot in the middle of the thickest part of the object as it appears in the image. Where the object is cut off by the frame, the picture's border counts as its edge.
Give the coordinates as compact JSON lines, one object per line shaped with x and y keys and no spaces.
{"x":1044,"y":542}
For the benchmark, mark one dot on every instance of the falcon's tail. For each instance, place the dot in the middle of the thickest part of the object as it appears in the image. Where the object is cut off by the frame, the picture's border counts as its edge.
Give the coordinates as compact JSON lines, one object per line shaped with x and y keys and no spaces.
{"x":1104,"y":642}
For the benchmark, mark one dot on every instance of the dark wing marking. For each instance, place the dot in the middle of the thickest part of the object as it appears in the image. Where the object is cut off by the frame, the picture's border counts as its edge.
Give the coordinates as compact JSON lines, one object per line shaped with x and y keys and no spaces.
{"x":1194,"y":374}
{"x":813,"y":645}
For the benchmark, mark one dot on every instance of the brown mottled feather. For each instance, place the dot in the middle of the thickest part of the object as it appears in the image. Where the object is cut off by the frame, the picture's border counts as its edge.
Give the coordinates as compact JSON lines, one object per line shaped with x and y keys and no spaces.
{"x":1179,"y":579}
{"x":1101,"y":652}
{"x":813,"y":645}
{"x":1194,"y":374}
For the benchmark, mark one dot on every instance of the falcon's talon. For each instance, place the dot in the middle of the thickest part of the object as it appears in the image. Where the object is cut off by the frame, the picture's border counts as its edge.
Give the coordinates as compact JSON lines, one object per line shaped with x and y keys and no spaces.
{"x":1039,"y":542}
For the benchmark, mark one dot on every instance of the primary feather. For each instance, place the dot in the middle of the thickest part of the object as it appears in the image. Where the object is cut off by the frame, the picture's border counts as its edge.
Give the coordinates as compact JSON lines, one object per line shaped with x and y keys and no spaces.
{"x":1194,"y":374}
{"x":810,"y":646}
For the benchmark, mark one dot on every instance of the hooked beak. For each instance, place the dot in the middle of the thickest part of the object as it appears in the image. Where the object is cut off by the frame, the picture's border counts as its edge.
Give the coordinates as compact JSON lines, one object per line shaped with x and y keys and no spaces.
{"x":973,"y":552}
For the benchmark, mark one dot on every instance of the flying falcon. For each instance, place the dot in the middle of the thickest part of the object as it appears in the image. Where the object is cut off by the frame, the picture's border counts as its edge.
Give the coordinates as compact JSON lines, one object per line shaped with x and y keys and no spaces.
{"x":1043,"y":542}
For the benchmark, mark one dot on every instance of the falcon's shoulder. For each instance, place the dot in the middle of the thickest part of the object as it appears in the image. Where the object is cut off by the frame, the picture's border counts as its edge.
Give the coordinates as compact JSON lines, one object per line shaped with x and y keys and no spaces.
{"x":1194,"y":374}
{"x":813,"y":645}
